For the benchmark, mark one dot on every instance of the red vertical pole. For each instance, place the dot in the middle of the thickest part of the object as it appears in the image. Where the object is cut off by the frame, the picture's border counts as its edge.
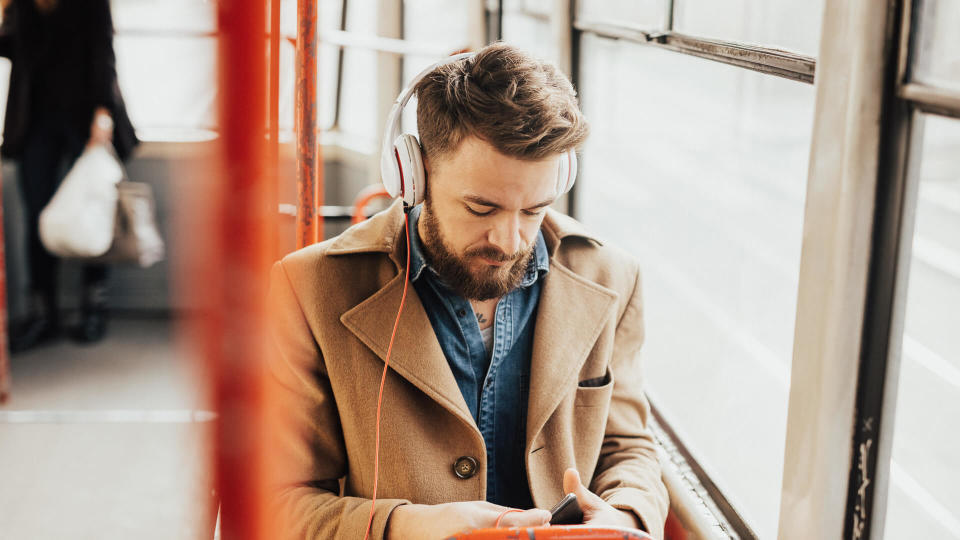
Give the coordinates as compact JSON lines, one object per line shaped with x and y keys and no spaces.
{"x":274,"y":96}
{"x":243,"y":213}
{"x":4,"y":350}
{"x":309,"y":195}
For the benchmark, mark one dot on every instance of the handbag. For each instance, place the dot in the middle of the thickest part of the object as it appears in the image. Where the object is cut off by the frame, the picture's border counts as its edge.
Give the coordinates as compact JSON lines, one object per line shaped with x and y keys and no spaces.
{"x":136,"y":236}
{"x":79,"y":219}
{"x":100,"y":216}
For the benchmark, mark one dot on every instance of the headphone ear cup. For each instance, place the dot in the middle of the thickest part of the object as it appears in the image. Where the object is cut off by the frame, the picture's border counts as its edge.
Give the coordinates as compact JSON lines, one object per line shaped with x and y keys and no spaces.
{"x":567,"y":173}
{"x":413,"y":178}
{"x":574,"y":169}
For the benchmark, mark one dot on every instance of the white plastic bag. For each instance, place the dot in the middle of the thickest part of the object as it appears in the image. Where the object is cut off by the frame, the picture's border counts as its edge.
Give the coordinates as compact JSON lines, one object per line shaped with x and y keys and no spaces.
{"x":79,"y":220}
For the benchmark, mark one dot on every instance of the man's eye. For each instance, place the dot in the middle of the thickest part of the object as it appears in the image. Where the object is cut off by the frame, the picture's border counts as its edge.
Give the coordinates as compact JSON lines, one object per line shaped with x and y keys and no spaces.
{"x":533,"y":213}
{"x":476,"y":213}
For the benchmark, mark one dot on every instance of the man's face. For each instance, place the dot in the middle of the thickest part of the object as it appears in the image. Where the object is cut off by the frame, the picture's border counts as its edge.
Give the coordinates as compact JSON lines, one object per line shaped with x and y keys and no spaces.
{"x":481,"y":217}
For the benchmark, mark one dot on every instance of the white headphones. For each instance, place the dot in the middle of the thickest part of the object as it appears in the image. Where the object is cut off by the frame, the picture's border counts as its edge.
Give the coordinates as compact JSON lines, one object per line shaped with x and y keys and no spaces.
{"x":401,"y":161}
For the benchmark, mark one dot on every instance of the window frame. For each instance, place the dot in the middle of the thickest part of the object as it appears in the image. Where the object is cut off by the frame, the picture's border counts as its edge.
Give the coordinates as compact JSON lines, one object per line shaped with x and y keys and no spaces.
{"x":897,"y":195}
{"x":884,"y":259}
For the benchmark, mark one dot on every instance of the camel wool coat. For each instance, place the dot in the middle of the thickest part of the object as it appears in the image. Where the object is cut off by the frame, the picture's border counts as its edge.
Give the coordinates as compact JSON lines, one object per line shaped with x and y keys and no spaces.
{"x":333,"y":307}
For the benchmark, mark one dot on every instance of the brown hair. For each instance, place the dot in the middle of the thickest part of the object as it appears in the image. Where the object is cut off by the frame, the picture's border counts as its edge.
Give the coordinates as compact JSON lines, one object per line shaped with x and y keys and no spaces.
{"x":523,"y":107}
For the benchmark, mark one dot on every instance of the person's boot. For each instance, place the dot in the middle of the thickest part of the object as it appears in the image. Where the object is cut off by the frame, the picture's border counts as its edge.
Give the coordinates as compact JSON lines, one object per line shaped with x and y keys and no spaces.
{"x":93,"y":315}
{"x":40,"y":326}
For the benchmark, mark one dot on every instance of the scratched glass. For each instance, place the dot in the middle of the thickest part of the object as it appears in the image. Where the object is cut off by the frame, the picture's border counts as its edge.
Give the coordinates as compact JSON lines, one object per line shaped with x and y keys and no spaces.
{"x":699,"y":170}
{"x":936,"y":61}
{"x":923,"y":501}
{"x":784,"y":24}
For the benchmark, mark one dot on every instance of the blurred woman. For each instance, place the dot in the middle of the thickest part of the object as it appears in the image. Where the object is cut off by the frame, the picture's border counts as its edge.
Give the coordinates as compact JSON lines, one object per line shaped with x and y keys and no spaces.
{"x":63,"y":97}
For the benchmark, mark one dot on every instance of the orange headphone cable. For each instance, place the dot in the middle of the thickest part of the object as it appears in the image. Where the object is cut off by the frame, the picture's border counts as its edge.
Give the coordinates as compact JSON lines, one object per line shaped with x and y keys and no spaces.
{"x":383,"y":378}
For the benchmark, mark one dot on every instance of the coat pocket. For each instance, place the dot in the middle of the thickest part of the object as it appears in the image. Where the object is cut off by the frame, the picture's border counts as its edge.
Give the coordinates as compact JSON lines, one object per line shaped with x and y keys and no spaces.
{"x":595,"y":392}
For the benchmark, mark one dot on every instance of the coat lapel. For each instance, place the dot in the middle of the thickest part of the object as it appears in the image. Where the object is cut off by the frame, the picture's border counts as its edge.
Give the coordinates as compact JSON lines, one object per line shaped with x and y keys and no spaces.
{"x":416,"y":354}
{"x":571,"y":315}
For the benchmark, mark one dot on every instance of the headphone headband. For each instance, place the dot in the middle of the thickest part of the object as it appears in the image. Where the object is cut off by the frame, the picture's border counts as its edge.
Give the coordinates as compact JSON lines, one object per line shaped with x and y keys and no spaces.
{"x":392,"y":178}
{"x":401,"y":160}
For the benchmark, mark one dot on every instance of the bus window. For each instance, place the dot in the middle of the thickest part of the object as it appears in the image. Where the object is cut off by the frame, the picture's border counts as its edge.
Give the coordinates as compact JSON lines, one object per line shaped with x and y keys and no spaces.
{"x":785,"y":24}
{"x":936,"y":62}
{"x":922,"y":500}
{"x":648,"y":14}
{"x":527,"y":25}
{"x":699,"y":169}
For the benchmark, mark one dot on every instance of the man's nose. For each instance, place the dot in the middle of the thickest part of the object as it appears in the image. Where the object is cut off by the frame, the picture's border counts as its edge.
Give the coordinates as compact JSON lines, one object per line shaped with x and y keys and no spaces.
{"x":506,"y":234}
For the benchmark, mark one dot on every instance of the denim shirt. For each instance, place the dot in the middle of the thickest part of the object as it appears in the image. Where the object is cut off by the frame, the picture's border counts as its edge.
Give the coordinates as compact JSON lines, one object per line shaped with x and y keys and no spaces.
{"x":495,"y":385}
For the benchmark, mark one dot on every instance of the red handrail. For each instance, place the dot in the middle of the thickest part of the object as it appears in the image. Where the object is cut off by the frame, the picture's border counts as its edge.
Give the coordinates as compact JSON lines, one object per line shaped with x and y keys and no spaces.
{"x":365,"y":197}
{"x":556,"y":532}
{"x":309,"y":164}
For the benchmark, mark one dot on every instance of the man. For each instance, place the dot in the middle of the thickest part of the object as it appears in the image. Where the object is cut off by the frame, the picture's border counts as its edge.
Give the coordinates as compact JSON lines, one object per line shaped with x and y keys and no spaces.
{"x":514,"y":377}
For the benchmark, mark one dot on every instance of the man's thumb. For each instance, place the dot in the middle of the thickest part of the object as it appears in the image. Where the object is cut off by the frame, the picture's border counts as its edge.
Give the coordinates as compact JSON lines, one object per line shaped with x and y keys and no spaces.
{"x":572,"y":483}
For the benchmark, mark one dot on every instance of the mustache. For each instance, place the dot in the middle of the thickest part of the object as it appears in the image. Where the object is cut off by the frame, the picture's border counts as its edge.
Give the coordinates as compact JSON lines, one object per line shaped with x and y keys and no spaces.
{"x":493,"y":254}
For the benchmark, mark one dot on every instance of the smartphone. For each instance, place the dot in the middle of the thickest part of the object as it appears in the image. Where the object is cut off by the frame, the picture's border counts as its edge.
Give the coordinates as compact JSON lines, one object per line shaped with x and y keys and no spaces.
{"x":567,"y":511}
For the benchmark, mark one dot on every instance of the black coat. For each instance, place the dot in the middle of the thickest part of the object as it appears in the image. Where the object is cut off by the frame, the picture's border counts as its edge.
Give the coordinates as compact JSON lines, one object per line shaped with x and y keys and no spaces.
{"x":63,"y":66}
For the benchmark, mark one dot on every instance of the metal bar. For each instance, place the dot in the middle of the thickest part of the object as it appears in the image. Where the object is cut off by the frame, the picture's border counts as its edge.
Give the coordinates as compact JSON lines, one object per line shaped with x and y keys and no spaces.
{"x":491,"y":33}
{"x":241,"y":245}
{"x":576,"y":39}
{"x":671,"y":15}
{"x":723,"y":511}
{"x":308,"y":162}
{"x":274,"y":121}
{"x":327,"y":211}
{"x":692,"y":511}
{"x":155,"y":33}
{"x":777,"y":62}
{"x":402,"y":35}
{"x":499,"y":19}
{"x":333,"y":38}
{"x":561,"y":29}
{"x":882,"y":334}
{"x":878,"y":380}
{"x":339,"y":89}
{"x":381,"y":44}
{"x":4,"y":349}
{"x":931,"y":100}
{"x":907,"y":34}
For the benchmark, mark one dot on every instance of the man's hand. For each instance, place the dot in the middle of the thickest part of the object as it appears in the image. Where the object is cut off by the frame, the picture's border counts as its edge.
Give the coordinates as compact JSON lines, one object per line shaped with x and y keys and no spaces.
{"x":435,"y":522}
{"x":596,"y":511}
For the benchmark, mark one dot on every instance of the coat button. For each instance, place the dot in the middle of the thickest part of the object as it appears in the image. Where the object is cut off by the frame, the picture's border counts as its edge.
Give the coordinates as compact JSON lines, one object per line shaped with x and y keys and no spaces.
{"x":465,"y":467}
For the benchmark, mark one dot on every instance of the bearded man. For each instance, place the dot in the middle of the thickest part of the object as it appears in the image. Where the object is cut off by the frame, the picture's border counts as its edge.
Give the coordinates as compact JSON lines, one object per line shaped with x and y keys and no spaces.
{"x":514,"y":376}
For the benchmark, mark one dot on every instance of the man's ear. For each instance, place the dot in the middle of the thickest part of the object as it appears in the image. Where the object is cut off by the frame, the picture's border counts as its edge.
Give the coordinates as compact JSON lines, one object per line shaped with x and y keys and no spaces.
{"x":426,"y":166}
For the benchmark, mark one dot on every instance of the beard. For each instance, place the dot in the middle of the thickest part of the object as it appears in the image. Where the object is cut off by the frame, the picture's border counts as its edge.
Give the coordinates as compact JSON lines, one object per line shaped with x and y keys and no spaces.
{"x":455,"y":270}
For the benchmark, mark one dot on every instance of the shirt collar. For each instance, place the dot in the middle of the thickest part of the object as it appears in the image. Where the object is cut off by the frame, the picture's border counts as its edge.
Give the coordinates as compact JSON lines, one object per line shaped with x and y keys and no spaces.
{"x":539,"y":265}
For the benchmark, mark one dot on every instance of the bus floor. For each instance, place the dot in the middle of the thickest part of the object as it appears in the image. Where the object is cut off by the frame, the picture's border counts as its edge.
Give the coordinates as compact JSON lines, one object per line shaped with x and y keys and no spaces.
{"x":106,"y":441}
